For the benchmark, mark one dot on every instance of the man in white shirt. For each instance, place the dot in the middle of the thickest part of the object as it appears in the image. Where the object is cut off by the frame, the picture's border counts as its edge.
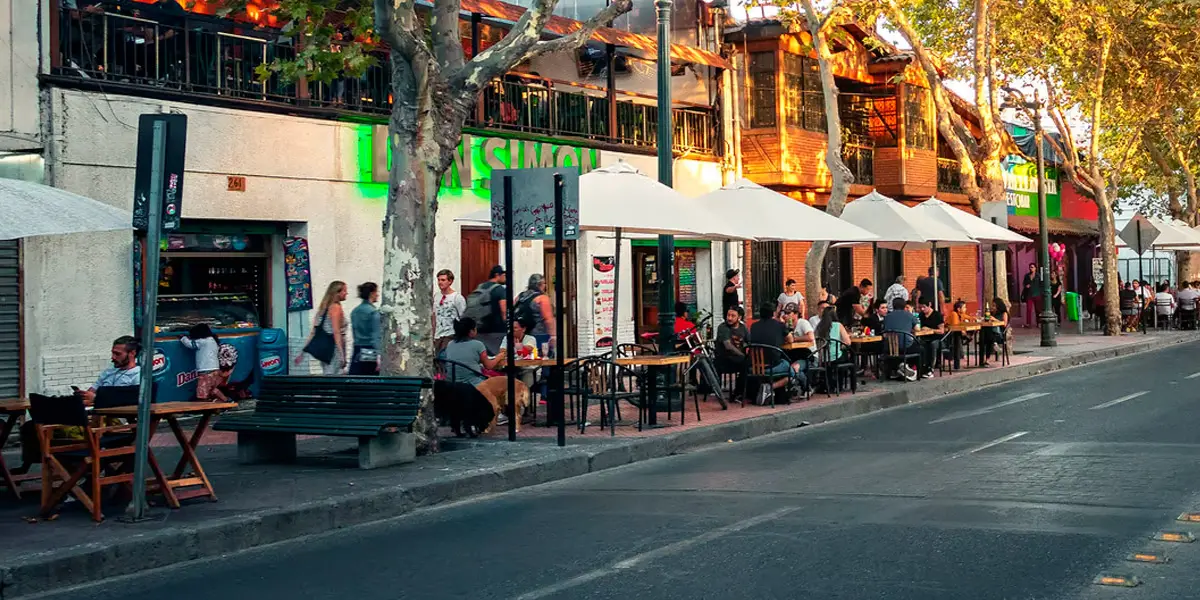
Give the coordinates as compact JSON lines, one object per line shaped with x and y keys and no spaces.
{"x":1187,"y":299}
{"x":790,"y":295}
{"x":816,"y":318}
{"x":1164,"y":302}
{"x":897,"y":290}
{"x":802,"y":329}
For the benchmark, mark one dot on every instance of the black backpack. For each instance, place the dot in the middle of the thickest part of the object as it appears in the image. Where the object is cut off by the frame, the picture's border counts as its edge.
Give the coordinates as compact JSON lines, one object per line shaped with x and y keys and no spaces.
{"x":525,"y":308}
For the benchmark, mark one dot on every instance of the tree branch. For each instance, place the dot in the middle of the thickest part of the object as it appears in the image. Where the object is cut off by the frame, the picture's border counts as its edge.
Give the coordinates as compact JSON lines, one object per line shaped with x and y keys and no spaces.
{"x":520,"y":44}
{"x":447,"y":41}
{"x":395,"y":23}
{"x":580,"y":36}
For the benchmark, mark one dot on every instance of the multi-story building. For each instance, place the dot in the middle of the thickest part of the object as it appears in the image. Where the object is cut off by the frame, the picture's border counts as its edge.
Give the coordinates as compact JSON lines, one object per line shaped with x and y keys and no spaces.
{"x":269,"y":160}
{"x":890,"y":143}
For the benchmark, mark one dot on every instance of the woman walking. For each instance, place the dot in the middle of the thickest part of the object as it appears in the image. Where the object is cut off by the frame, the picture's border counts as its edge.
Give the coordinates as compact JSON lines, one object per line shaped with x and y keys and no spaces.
{"x":332,"y":320}
{"x":364,"y":325}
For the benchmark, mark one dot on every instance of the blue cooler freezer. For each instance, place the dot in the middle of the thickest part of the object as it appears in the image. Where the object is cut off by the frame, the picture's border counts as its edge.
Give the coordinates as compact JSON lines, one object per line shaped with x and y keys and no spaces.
{"x":233,"y":320}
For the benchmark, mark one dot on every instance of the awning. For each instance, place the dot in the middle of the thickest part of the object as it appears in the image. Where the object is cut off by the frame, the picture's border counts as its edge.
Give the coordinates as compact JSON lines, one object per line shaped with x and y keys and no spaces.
{"x":607,"y":35}
{"x":1078,"y":227}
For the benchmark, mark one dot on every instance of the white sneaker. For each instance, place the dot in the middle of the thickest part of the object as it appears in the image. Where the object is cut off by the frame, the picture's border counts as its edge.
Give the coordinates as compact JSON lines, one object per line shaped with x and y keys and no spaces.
{"x":764,"y":394}
{"x":908,"y":373}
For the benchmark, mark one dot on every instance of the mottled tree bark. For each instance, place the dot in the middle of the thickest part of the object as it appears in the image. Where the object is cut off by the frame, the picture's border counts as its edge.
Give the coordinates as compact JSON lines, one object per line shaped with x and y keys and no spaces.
{"x":840,"y":176}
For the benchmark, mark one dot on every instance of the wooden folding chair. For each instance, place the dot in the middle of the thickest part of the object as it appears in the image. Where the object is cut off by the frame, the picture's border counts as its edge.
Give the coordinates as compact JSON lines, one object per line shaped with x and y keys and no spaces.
{"x":81,"y":468}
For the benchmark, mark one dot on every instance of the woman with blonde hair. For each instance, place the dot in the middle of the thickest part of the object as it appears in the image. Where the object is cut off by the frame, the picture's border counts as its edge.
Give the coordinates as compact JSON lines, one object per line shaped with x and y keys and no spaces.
{"x":330,"y":319}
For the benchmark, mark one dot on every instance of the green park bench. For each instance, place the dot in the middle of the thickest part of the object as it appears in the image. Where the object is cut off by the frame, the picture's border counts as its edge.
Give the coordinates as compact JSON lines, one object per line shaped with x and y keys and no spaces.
{"x":379,"y":411}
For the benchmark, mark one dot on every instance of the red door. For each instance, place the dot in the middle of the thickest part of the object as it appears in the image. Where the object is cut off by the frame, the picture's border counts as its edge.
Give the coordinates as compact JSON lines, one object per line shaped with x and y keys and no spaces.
{"x":479,"y":254}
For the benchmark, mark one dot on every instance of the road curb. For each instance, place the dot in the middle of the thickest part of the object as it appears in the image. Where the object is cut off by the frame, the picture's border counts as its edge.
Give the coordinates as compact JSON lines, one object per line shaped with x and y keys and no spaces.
{"x":86,"y":563}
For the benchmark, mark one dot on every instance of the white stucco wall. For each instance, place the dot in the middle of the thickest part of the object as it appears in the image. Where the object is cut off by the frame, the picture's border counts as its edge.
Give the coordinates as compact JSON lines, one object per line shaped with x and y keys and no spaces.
{"x":19,"y":62}
{"x":310,"y":174}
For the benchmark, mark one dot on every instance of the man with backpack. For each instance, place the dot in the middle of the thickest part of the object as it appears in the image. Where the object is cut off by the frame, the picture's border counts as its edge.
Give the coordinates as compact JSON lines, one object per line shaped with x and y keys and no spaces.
{"x":488,"y":306}
{"x":533,"y":304}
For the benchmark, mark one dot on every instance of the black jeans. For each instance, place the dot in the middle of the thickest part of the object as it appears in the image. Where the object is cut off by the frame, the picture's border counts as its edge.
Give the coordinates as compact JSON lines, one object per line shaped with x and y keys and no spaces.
{"x":361,"y":367}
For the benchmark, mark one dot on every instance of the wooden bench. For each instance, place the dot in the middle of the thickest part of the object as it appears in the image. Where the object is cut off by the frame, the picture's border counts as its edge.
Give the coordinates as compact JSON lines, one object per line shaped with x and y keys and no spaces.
{"x":379,"y":411}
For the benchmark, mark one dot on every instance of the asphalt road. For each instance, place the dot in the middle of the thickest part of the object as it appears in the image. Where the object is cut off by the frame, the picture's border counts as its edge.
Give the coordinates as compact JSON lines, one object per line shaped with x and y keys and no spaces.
{"x":1024,"y":491}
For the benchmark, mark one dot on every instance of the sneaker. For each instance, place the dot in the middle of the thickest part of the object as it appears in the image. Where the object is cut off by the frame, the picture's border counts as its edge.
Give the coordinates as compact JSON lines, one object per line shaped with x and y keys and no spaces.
{"x":764,"y":394}
{"x":502,"y":420}
{"x":996,"y":350}
{"x":908,"y":373}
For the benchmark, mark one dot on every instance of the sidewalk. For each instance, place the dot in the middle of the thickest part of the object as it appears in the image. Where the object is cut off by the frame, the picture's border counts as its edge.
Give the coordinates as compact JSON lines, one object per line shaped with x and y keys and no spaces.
{"x":323,"y":490}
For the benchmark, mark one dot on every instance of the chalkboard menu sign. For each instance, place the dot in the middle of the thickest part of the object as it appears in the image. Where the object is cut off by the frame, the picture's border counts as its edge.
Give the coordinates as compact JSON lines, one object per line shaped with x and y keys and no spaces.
{"x":298,"y":273}
{"x":685,"y":266}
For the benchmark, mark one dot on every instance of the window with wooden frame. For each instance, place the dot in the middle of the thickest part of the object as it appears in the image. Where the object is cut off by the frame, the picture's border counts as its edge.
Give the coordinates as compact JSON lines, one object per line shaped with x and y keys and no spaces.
{"x":918,"y":119}
{"x":804,"y":99}
{"x":761,"y":103}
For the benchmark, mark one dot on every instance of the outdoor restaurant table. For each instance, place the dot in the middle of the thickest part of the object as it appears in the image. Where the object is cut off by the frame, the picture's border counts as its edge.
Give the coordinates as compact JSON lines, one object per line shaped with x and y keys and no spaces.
{"x":538,"y":363}
{"x":170,"y":412}
{"x":11,"y":409}
{"x":798,"y":346}
{"x":654,"y":361}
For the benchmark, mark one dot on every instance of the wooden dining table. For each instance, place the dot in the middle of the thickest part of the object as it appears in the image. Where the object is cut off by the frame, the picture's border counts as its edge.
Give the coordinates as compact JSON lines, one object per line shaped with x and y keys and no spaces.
{"x":170,"y":485}
{"x":11,"y":410}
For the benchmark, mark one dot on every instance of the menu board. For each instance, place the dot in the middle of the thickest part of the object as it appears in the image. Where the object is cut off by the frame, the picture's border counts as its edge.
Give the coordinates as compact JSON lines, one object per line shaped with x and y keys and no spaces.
{"x":603,"y":295}
{"x":298,"y":274}
{"x":685,"y":267}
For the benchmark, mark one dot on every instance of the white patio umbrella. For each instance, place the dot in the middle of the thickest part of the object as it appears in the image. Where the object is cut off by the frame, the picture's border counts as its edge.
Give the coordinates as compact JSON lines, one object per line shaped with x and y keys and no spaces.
{"x":30,"y":209}
{"x":902,"y":228}
{"x":1172,"y":234}
{"x":771,"y":216}
{"x":980,"y":230}
{"x":620,"y":199}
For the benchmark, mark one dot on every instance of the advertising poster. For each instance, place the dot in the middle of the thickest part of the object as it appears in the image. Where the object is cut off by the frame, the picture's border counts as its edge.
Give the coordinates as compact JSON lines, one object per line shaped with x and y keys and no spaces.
{"x":603,"y":294}
{"x":298,"y":274}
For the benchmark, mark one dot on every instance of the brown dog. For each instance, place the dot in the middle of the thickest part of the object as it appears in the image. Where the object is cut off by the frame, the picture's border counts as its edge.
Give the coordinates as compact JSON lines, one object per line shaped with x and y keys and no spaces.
{"x":495,"y":389}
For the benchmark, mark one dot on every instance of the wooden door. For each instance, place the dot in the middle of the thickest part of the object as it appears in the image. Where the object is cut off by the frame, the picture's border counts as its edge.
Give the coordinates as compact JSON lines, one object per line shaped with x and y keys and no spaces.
{"x":479,"y":253}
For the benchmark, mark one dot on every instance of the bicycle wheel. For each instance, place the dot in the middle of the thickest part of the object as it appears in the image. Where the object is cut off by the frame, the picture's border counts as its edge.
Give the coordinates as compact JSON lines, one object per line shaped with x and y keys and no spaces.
{"x":710,"y":376}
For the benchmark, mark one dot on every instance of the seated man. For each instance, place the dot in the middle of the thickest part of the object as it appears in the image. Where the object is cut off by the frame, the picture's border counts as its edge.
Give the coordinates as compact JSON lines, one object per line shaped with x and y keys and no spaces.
{"x":1164,"y":303}
{"x":730,"y":346}
{"x":931,"y":319}
{"x":1188,"y":294}
{"x":1129,"y":306}
{"x":770,"y":332}
{"x":124,"y":372}
{"x":899,"y":319}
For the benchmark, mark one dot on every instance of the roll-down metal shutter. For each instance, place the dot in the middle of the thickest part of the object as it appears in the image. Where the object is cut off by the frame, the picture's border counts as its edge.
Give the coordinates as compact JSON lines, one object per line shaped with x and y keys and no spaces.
{"x":10,"y":321}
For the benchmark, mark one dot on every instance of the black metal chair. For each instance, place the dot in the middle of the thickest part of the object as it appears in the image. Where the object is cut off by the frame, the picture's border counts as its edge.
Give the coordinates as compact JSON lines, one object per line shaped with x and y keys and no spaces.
{"x":833,"y":359}
{"x":949,"y":347}
{"x":609,"y":383}
{"x":899,"y":347}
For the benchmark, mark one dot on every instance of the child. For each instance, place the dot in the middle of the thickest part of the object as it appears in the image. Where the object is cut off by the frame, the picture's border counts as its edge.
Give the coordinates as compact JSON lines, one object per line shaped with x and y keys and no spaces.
{"x":207,"y":347}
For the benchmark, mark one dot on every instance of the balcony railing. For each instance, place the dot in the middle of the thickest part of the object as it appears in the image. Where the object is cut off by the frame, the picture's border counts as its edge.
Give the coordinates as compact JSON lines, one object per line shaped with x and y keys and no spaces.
{"x":948,"y":176}
{"x":861,"y":162}
{"x":202,"y":57}
{"x":534,"y":105}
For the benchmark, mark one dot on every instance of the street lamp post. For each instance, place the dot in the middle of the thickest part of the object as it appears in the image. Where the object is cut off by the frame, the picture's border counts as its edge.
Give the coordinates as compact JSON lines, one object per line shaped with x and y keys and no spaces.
{"x":666,"y":243}
{"x":1047,"y":317}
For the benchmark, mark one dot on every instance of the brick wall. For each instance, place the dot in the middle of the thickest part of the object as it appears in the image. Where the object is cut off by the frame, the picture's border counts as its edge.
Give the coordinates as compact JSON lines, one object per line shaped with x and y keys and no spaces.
{"x":61,"y":371}
{"x":964,"y":282}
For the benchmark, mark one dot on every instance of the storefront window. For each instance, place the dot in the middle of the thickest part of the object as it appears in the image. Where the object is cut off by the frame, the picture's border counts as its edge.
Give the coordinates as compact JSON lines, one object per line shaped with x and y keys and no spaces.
{"x":217,"y":279}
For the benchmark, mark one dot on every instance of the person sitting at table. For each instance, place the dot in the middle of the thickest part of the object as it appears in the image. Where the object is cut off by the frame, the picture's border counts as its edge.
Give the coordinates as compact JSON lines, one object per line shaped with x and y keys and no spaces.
{"x":815,"y":319}
{"x":992,"y":336}
{"x":901,"y":320}
{"x":730,"y":346}
{"x":124,"y":372}
{"x":466,"y":350}
{"x":958,"y":316}
{"x":831,"y":329}
{"x":526,"y":347}
{"x":931,"y":319}
{"x":1128,"y":298}
{"x":874,"y":320}
{"x":1188,"y":294}
{"x":682,"y":323}
{"x":1164,"y":302}
{"x":802,"y":329}
{"x":769,"y":331}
